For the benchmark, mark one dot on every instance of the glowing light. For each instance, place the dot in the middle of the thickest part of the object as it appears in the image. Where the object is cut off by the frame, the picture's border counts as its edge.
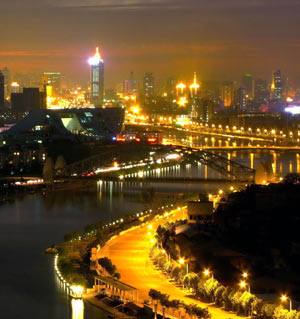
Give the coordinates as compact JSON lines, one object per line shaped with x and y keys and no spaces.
{"x":140,"y":174}
{"x":172,"y":156}
{"x":206,"y":272}
{"x":182,"y":101}
{"x":245,"y":275}
{"x":96,"y":59}
{"x":77,"y":291}
{"x":195,"y":86}
{"x":293,"y":109}
{"x":181,"y":86}
{"x":181,"y":261}
{"x":243,"y":284}
{"x":77,"y":309}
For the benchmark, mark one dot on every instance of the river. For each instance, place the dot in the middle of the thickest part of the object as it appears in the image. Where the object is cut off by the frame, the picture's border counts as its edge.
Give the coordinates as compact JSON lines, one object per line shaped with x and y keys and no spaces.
{"x":29,"y":288}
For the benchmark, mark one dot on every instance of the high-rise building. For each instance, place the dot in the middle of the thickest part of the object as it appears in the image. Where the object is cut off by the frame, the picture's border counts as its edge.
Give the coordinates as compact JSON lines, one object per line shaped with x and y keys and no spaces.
{"x":171,"y":87}
{"x":149,"y":85}
{"x":240,"y":100}
{"x":261,"y":93}
{"x":2,"y":84}
{"x":130,"y":86}
{"x":97,"y":78}
{"x":7,"y":80}
{"x":227,"y":93}
{"x":206,"y":110}
{"x":248,"y":84}
{"x":277,"y":86}
{"x":52,"y":79}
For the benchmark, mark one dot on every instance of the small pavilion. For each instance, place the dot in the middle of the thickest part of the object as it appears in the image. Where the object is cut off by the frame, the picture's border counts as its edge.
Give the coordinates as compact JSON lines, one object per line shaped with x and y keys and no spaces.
{"x":116,"y":288}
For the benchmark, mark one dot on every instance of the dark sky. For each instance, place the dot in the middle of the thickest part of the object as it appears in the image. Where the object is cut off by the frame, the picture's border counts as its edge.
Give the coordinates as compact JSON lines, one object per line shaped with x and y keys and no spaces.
{"x":220,"y":39}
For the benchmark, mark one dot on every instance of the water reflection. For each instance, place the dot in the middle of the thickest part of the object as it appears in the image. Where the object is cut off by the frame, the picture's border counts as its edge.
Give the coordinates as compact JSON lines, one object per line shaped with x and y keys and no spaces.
{"x":77,"y":309}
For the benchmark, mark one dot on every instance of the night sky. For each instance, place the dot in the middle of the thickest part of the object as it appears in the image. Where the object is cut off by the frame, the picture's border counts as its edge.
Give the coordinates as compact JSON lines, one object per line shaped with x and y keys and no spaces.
{"x":220,"y":39}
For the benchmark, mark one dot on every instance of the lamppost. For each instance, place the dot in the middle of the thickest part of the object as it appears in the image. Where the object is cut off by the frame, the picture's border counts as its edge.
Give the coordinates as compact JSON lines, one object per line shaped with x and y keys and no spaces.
{"x":182,"y":261}
{"x":207,"y":273}
{"x":243,"y":285}
{"x":285,"y":298}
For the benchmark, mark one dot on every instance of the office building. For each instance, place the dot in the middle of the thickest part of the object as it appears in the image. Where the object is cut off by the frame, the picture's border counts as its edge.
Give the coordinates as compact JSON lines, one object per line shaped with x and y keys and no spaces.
{"x":240,"y":100}
{"x":52,"y":79}
{"x":261,"y":93}
{"x":227,"y":93}
{"x":277,"y":86}
{"x":97,"y":78}
{"x":248,"y":85}
{"x":130,"y":86}
{"x":149,"y":85}
{"x":206,"y":110}
{"x":2,"y":85}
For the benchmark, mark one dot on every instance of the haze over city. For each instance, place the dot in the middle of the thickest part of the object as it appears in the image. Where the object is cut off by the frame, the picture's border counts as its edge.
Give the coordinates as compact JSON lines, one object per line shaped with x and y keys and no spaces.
{"x":218,"y":39}
{"x":150,"y":159}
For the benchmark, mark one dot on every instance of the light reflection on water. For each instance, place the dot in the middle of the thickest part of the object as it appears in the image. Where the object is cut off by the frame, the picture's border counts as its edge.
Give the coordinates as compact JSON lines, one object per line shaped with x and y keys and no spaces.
{"x":34,"y":222}
{"x":77,"y":309}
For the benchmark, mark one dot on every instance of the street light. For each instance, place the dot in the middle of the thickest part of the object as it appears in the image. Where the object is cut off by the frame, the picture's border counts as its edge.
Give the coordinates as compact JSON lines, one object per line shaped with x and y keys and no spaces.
{"x":182,"y":261}
{"x":243,"y":285}
{"x":207,"y":272}
{"x":285,"y":298}
{"x":245,"y":275}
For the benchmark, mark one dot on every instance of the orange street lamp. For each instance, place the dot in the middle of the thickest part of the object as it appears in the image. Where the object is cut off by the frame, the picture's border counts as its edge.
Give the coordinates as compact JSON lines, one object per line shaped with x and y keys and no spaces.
{"x":182,"y":261}
{"x":207,"y":272}
{"x":243,"y":285}
{"x":285,"y":298}
{"x":245,"y":275}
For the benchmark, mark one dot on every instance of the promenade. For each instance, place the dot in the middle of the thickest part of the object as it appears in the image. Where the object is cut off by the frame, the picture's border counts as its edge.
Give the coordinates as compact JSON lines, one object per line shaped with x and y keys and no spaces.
{"x":130,"y":253}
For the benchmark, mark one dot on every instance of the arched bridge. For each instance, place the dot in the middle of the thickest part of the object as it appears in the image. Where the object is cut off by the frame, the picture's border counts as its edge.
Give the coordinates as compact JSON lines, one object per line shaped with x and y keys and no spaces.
{"x":230,"y":169}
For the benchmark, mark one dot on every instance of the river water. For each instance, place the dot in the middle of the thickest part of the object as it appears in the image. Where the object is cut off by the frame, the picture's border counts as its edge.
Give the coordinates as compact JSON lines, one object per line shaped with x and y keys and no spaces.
{"x":29,"y":288}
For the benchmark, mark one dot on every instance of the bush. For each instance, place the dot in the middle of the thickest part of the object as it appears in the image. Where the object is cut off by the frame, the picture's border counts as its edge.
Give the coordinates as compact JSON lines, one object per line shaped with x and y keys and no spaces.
{"x":75,"y":235}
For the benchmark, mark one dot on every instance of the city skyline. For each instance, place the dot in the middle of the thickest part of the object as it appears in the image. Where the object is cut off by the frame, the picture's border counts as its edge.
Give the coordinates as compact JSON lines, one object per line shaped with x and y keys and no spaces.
{"x":177,"y":37}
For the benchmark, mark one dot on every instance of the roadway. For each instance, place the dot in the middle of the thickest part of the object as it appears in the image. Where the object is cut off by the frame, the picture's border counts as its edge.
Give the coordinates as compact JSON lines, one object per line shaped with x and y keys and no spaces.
{"x":130,"y":253}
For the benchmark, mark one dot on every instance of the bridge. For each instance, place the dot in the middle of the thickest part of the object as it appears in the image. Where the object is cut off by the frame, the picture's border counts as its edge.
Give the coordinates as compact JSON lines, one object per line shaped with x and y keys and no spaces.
{"x":229,"y":169}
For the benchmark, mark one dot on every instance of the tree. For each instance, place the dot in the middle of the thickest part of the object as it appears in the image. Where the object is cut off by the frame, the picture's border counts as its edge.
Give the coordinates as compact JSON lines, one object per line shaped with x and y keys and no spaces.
{"x":74,"y":235}
{"x":292,"y":178}
{"x":257,"y":306}
{"x":48,"y":171}
{"x":154,"y":294}
{"x":107,"y":265}
{"x":268,"y":310}
{"x":190,"y":280}
{"x":218,"y":295}
{"x":210,"y":286}
{"x":226,"y":298}
{"x":175,"y":273}
{"x":60,"y":165}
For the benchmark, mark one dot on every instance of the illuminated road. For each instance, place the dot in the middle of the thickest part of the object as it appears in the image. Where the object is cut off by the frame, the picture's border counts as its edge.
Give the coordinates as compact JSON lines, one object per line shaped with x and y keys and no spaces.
{"x":130,"y":253}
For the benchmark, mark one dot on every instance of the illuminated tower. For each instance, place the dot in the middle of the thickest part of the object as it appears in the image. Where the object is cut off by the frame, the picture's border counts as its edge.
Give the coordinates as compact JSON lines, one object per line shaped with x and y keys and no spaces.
{"x":180,"y":87}
{"x":97,"y":77}
{"x":277,"y":87}
{"x":195,"y":86}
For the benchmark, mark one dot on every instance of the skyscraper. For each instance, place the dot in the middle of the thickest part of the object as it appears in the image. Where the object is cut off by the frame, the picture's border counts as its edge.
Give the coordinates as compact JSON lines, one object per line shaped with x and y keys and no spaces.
{"x":7,"y":80}
{"x":149,"y":85}
{"x":1,"y":90}
{"x":248,"y":84}
{"x":130,"y":86}
{"x":97,"y":78}
{"x":227,"y":93}
{"x":240,"y":101}
{"x":261,"y":93}
{"x":53,"y":79}
{"x":277,"y":86}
